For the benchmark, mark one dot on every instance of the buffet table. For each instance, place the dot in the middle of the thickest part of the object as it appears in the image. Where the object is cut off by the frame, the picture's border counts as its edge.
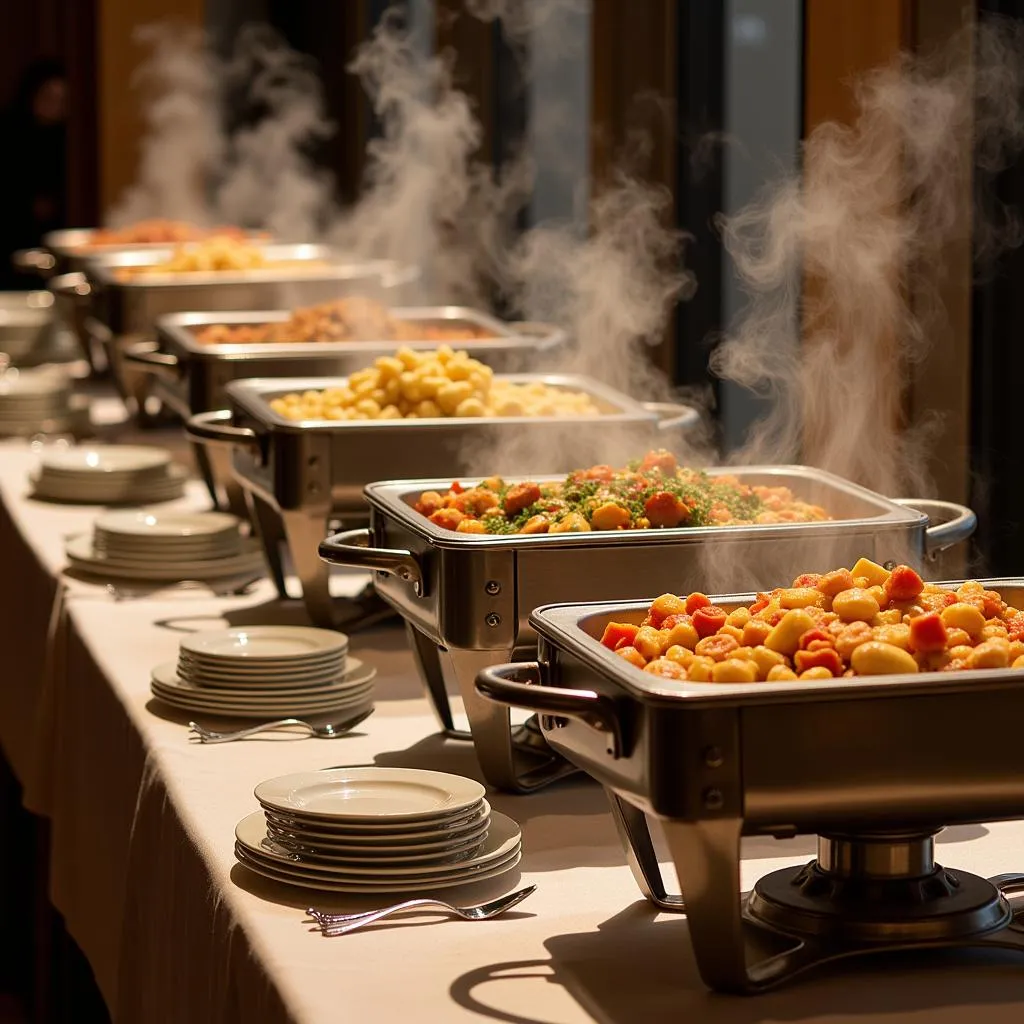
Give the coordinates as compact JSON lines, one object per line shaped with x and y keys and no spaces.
{"x":142,"y":826}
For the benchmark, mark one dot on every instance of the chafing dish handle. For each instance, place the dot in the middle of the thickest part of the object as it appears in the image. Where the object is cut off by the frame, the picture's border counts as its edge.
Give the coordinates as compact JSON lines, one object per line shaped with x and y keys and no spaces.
{"x":147,"y":356}
{"x":518,"y":685}
{"x":956,"y":522}
{"x":215,"y":428}
{"x":672,"y":416}
{"x":353,"y":548}
{"x":34,"y":261}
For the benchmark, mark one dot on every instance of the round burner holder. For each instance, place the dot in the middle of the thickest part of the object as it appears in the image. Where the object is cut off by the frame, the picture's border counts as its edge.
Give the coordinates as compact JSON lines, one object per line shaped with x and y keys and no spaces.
{"x":866,"y":892}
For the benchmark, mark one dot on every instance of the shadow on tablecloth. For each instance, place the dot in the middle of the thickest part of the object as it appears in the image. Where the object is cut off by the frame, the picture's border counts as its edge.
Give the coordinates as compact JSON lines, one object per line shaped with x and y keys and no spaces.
{"x":640,"y":967}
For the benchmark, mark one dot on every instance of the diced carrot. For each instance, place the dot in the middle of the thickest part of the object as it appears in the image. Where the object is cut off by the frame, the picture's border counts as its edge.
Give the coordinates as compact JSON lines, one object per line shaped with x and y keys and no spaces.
{"x":903,"y":584}
{"x":816,"y":635}
{"x":763,"y":600}
{"x":827,"y":657}
{"x":696,"y":600}
{"x":709,"y":619}
{"x":928,"y":632}
{"x":616,"y":633}
{"x":457,"y":488}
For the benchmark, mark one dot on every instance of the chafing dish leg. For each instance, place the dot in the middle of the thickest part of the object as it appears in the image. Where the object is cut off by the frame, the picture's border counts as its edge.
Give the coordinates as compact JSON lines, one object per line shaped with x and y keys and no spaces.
{"x":635,"y":833}
{"x":427,"y":656}
{"x":707,"y":859}
{"x":304,"y":530}
{"x":266,"y":521}
{"x":504,"y":765}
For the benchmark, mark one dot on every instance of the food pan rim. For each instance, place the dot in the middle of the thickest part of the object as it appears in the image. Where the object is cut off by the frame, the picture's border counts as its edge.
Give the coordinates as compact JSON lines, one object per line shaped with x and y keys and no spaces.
{"x":559,"y":625}
{"x":388,"y":497}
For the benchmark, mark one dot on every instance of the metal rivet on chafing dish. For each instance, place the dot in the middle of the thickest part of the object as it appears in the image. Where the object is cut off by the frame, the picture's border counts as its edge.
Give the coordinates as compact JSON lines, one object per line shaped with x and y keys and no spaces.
{"x":713,"y":757}
{"x":493,"y":619}
{"x":492,"y":587}
{"x":714,"y":799}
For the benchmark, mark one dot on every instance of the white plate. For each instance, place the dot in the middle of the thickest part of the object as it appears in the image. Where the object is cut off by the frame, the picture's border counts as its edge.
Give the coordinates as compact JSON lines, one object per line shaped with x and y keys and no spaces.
{"x":83,"y":548}
{"x":311,"y":699}
{"x":80,"y":555}
{"x":189,"y":674}
{"x":356,"y":677}
{"x":260,"y":671}
{"x":270,"y":871}
{"x":371,"y":794}
{"x":265,"y":643}
{"x":328,"y":713}
{"x":139,"y":559}
{"x":161,"y":526}
{"x":348,"y":846}
{"x":503,"y":838}
{"x":447,"y":830}
{"x":104,"y":459}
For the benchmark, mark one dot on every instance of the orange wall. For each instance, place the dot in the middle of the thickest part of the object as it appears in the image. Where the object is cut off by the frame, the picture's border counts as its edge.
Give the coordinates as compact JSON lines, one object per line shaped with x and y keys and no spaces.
{"x":118,"y":109}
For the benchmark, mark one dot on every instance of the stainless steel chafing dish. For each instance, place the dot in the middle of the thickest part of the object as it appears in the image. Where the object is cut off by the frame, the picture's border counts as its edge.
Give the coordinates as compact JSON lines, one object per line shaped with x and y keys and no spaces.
{"x":301,"y":475}
{"x":468,"y":597}
{"x":121,"y":312}
{"x":875,"y":766}
{"x":190,"y":377}
{"x":67,"y":250}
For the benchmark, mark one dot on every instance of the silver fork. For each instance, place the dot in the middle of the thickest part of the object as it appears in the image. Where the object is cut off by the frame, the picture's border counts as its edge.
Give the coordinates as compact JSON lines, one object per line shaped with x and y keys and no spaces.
{"x":342,"y":924}
{"x":320,"y":732}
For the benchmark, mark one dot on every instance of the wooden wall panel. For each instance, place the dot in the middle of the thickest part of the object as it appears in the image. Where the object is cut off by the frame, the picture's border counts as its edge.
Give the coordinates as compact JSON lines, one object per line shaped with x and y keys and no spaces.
{"x":634,"y":89}
{"x":119,"y":116}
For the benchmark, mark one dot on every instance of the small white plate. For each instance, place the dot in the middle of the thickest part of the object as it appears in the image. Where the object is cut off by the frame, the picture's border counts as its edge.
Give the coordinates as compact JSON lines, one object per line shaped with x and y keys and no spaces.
{"x":260,"y":671}
{"x":374,"y":846}
{"x":265,"y":643}
{"x":104,"y":458}
{"x":269,"y":869}
{"x":336,"y":706}
{"x":348,"y":694}
{"x":447,"y":830}
{"x":80,"y":555}
{"x":84,"y":549}
{"x":356,"y":677}
{"x":147,"y":525}
{"x":503,"y":838}
{"x":371,"y":794}
{"x":304,"y":680}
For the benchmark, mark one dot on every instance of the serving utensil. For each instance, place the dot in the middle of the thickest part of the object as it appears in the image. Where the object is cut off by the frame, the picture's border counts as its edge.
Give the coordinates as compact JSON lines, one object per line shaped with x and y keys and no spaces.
{"x":320,"y":732}
{"x":342,"y":924}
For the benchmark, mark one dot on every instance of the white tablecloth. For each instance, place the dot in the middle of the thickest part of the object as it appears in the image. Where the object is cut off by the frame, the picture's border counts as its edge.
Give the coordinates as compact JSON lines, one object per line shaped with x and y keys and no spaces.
{"x":142,"y":836}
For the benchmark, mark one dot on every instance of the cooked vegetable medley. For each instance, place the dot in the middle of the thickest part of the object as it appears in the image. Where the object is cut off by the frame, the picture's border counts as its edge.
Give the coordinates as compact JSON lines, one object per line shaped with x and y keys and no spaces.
{"x":158,"y":232}
{"x":351,"y":319}
{"x":654,"y":492}
{"x":433,"y":384}
{"x":863,"y":621}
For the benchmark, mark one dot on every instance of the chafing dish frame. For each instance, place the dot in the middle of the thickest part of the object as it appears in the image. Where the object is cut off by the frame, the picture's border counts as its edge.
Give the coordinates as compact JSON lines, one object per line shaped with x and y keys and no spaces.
{"x":468,"y":597}
{"x":190,"y":377}
{"x":301,"y":475}
{"x":714,"y":762}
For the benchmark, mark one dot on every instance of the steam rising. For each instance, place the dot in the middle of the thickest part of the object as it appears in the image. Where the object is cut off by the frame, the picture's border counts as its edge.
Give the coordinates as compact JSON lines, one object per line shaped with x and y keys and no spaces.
{"x":193,"y":168}
{"x":853,"y":250}
{"x":183,"y":143}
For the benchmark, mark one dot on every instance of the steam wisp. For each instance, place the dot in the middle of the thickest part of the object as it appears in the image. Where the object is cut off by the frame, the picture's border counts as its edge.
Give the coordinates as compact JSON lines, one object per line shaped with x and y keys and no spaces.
{"x":852,"y":252}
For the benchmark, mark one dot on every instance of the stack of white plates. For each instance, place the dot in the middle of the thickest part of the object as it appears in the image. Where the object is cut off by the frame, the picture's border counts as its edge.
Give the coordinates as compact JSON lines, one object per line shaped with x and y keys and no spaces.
{"x":108,"y":474}
{"x":265,"y":672}
{"x":376,"y":830}
{"x":37,"y":401}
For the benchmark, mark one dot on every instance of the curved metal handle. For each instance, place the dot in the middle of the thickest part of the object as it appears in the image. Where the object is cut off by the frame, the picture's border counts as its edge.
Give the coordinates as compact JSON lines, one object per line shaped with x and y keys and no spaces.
{"x":956,"y":522}
{"x":71,"y":286}
{"x":352,"y":548}
{"x":673,"y":415}
{"x":34,"y":261}
{"x":146,"y":355}
{"x":215,"y":428}
{"x":518,"y":684}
